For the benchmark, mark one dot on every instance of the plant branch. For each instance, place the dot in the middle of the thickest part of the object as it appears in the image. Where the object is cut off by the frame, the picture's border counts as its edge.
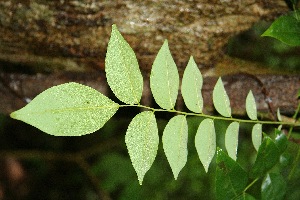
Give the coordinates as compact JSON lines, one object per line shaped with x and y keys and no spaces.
{"x":293,"y":124}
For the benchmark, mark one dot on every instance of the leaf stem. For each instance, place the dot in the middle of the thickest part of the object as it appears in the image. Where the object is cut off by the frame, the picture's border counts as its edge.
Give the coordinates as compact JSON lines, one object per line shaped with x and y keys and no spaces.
{"x":293,"y":124}
{"x":252,"y":183}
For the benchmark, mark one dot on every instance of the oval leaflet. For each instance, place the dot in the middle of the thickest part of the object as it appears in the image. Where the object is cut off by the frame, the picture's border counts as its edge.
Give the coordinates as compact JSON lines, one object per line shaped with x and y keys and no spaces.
{"x":122,"y":69}
{"x":191,"y":87}
{"x":221,"y":99}
{"x":205,"y":142}
{"x":69,"y":109}
{"x":175,"y":137}
{"x":164,"y":78}
{"x":142,"y":142}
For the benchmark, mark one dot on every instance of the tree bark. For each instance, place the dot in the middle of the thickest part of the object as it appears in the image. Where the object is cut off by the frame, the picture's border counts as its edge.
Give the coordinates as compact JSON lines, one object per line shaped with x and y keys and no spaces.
{"x":73,"y":35}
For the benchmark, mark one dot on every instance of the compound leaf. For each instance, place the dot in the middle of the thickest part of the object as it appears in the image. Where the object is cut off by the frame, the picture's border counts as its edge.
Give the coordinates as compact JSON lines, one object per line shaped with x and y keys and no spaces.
{"x":286,"y":29}
{"x":273,"y":187}
{"x":142,"y":142}
{"x":251,"y":106}
{"x":221,"y":100}
{"x":175,"y":137}
{"x":191,"y":87}
{"x":164,"y":78}
{"x":231,"y":139}
{"x":256,"y":135}
{"x":231,"y":179}
{"x":69,"y":109}
{"x":205,"y":142}
{"x":122,"y":69}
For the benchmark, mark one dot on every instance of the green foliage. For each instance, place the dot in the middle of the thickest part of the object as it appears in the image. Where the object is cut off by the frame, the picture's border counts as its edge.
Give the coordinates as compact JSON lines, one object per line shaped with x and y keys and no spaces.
{"x":221,"y":99}
{"x":122,"y":69}
{"x":231,"y":179}
{"x":267,"y":156}
{"x":251,"y":106}
{"x":286,"y":29}
{"x":142,"y":142}
{"x":256,"y":135}
{"x":191,"y":87}
{"x":164,"y":78}
{"x":205,"y":142}
{"x":231,"y":139}
{"x":175,"y":138}
{"x":273,"y":187}
{"x":69,"y":109}
{"x":72,"y":109}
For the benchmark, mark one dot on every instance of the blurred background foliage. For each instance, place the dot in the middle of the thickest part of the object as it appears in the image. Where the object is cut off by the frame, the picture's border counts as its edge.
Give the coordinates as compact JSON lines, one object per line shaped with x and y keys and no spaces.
{"x":53,"y":179}
{"x":268,"y":51}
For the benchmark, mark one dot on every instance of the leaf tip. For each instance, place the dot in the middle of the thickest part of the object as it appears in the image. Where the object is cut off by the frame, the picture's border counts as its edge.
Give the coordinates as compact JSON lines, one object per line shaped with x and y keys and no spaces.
{"x":13,"y":115}
{"x":141,"y":180}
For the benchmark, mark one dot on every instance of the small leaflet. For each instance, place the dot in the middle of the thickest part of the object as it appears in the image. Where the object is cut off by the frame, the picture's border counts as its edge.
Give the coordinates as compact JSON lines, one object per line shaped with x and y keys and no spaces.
{"x":251,"y":106}
{"x":231,"y":139}
{"x":205,"y":142}
{"x":256,"y":135}
{"x":142,"y":142}
{"x":279,"y":119}
{"x":164,"y":78}
{"x":175,"y":137}
{"x":279,"y":115}
{"x":191,"y":87}
{"x":122,"y":69}
{"x":69,"y":109}
{"x":221,"y":99}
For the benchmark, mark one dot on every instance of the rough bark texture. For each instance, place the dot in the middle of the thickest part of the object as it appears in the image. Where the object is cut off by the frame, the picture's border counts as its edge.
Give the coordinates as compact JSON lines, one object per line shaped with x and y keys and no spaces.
{"x":73,"y":35}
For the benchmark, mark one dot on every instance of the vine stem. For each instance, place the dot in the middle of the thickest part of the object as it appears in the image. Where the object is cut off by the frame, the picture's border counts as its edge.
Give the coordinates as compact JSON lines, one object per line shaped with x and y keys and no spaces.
{"x":293,"y":124}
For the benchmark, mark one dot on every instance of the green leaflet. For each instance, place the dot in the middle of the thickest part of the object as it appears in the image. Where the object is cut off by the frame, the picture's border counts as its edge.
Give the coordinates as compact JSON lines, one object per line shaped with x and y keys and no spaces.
{"x":279,"y":115}
{"x":231,"y":139}
{"x":221,"y":100}
{"x":191,"y":87}
{"x":175,"y":137}
{"x":164,"y":78}
{"x":279,"y":118}
{"x":251,"y":106}
{"x":142,"y":142}
{"x":231,"y":179}
{"x":273,"y":187}
{"x":122,"y":70}
{"x":256,"y":135}
{"x":281,"y":141}
{"x":267,"y":157}
{"x":286,"y":29}
{"x":205,"y":142}
{"x":70,"y":109}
